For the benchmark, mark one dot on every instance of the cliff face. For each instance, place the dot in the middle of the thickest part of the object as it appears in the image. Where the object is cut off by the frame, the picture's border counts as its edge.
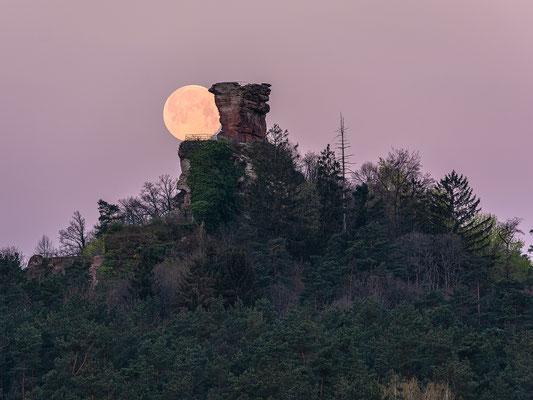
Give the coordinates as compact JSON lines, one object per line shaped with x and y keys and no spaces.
{"x":242,"y":110}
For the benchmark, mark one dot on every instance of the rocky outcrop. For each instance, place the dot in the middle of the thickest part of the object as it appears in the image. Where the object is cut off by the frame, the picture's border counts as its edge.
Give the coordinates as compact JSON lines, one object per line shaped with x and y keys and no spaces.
{"x":184,"y":191}
{"x":96,"y":263}
{"x":242,"y":110}
{"x":183,"y":198}
{"x":39,"y":267}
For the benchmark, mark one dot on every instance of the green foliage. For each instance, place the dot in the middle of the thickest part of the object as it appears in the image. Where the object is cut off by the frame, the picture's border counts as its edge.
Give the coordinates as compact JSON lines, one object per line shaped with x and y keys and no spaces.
{"x":197,"y":287}
{"x":108,"y":214}
{"x":213,"y":183}
{"x":330,"y":189}
{"x":123,"y":246}
{"x":280,"y":203}
{"x":281,"y":303}
{"x":235,"y":278}
{"x":95,"y":247}
{"x":142,"y":279}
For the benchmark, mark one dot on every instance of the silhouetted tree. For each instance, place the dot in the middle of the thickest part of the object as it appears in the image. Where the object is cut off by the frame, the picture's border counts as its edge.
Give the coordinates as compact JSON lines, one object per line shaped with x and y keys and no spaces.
{"x":45,"y":247}
{"x":330,"y":187}
{"x":74,"y":238}
{"x":132,"y":211}
{"x":150,"y":198}
{"x":108,"y":214}
{"x":168,"y":189}
{"x":274,"y":188}
{"x":309,"y":166}
{"x":456,"y":210}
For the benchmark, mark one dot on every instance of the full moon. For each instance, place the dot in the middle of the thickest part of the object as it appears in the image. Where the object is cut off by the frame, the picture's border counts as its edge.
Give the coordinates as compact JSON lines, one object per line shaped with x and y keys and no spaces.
{"x":191,"y":110}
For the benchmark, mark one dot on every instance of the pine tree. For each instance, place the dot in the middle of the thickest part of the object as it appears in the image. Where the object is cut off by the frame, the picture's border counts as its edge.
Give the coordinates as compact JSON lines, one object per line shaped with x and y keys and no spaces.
{"x":370,"y":249}
{"x":236,"y":278}
{"x":274,"y":188}
{"x":196,"y":289}
{"x":108,"y":214}
{"x":365,"y":208}
{"x":455,"y":209}
{"x":330,"y":189}
{"x":142,"y":279}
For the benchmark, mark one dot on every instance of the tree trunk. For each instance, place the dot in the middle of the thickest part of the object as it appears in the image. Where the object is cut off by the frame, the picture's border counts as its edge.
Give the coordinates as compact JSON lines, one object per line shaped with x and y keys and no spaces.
{"x":23,"y":378}
{"x":507,"y":264}
{"x":478,"y":306}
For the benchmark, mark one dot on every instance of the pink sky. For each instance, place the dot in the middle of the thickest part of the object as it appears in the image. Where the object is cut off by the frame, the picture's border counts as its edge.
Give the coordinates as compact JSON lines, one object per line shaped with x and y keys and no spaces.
{"x":83,"y":83}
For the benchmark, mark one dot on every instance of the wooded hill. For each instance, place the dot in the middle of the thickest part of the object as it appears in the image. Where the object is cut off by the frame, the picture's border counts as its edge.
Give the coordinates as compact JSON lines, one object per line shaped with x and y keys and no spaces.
{"x":284,"y":281}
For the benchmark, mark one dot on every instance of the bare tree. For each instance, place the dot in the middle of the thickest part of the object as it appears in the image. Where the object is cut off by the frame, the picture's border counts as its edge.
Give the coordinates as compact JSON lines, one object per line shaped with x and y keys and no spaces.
{"x":151,"y":199}
{"x":434,"y":261}
{"x":156,"y":200}
{"x":168,"y":189}
{"x":366,"y":174}
{"x":309,"y":166}
{"x":45,"y":247}
{"x":132,"y":211}
{"x":394,"y":177}
{"x":74,"y":238}
{"x":507,"y":232}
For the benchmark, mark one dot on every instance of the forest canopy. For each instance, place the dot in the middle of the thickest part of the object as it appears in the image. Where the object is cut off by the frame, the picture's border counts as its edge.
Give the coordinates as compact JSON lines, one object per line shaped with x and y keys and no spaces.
{"x":287,"y":278}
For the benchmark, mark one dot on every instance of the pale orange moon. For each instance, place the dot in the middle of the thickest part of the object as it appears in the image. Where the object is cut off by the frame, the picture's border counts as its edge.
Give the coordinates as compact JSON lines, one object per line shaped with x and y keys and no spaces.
{"x":191,"y":110}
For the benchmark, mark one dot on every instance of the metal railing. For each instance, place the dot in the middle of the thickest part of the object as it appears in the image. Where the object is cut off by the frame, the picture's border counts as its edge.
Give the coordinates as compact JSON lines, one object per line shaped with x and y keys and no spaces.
{"x":198,"y":136}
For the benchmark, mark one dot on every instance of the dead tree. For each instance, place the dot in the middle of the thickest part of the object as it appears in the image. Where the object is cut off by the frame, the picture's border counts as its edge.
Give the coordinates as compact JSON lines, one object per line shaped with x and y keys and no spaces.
{"x":343,"y":145}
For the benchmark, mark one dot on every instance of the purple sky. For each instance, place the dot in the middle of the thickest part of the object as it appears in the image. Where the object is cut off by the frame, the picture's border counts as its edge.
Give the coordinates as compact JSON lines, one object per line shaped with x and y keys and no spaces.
{"x":83,"y":83}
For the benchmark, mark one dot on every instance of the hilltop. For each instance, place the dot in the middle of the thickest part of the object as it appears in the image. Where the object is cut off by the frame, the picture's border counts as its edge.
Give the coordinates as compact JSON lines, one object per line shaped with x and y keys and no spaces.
{"x":272,"y":275}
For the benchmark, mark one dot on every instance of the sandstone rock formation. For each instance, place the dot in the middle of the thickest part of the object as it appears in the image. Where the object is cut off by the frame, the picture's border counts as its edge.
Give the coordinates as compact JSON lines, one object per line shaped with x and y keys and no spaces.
{"x":242,"y":110}
{"x":40,"y":267}
{"x":183,"y":197}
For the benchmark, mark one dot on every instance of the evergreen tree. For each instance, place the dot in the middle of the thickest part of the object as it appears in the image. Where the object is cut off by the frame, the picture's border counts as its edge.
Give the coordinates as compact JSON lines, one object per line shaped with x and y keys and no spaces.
{"x":322,"y":274}
{"x":330,"y":190}
{"x":108,"y":214}
{"x":456,"y":210}
{"x":142,"y":279}
{"x":370,"y":249}
{"x":274,"y":188}
{"x":235,"y":278}
{"x":196,"y":289}
{"x":413,"y":212}
{"x":365,"y":208}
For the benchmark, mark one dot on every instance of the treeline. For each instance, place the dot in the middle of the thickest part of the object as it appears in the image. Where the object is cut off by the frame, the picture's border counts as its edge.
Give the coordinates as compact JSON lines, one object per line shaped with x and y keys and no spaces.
{"x":289,"y":280}
{"x":156,"y":200}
